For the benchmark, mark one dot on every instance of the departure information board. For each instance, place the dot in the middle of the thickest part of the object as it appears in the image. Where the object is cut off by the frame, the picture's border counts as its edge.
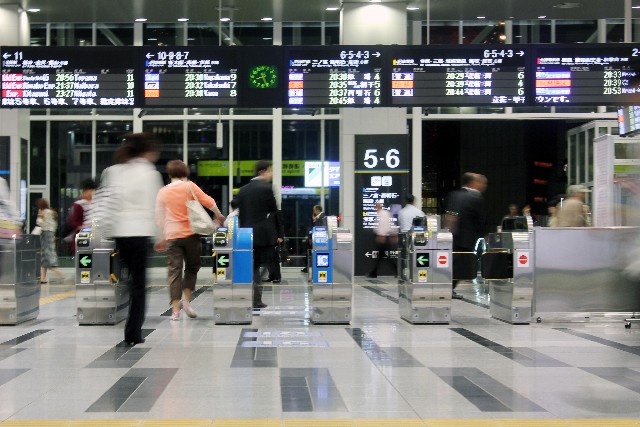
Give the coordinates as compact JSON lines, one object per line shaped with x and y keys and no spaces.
{"x":190,"y":77}
{"x":335,"y":76}
{"x":586,"y":74}
{"x":444,"y":76}
{"x":68,"y":77}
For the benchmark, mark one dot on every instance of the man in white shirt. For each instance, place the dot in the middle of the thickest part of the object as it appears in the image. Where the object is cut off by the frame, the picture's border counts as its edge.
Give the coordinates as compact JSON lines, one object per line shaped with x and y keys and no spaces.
{"x":386,"y":238}
{"x":407,"y":214}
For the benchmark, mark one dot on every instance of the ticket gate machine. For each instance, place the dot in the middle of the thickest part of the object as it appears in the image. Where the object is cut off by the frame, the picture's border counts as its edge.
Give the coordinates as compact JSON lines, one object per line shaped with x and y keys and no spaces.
{"x":102,"y":295}
{"x":331,"y":275}
{"x":426,"y":283}
{"x":233,"y":275}
{"x":508,"y":267}
{"x":19,"y":273}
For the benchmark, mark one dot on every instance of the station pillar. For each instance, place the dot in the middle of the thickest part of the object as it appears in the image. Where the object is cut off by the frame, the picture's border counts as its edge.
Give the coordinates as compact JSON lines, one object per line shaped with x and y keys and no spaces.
{"x":14,"y":123}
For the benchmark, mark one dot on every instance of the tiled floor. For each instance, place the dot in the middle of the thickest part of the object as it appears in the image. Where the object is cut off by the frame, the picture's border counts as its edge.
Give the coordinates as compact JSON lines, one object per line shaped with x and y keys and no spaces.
{"x":282,"y":371}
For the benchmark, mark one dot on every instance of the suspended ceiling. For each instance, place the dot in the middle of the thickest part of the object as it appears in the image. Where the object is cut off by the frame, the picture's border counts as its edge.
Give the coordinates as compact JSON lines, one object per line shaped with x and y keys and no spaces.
{"x":121,"y":11}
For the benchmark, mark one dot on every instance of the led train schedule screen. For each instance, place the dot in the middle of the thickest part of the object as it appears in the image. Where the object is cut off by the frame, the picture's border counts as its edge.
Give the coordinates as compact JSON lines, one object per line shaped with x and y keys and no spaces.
{"x":442,"y":76}
{"x":587,"y":74}
{"x":68,"y":77}
{"x":190,"y":77}
{"x":337,"y":76}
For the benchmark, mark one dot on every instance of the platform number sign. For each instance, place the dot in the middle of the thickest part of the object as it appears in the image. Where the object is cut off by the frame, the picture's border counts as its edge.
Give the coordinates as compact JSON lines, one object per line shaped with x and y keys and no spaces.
{"x":382,"y":167}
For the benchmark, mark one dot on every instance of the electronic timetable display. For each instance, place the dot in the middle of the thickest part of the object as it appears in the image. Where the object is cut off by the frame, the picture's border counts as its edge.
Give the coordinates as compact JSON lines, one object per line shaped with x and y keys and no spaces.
{"x":458,"y":76}
{"x":190,"y":77}
{"x":335,"y":76}
{"x":68,"y":77}
{"x":586,"y":74}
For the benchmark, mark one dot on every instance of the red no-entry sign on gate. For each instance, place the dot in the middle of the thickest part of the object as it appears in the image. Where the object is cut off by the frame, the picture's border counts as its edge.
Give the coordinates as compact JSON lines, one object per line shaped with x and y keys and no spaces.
{"x":523,"y":258}
{"x":443,"y":259}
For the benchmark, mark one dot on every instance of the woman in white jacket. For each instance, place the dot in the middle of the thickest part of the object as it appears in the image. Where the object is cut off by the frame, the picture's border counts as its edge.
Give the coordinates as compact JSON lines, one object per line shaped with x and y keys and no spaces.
{"x":132,"y":186}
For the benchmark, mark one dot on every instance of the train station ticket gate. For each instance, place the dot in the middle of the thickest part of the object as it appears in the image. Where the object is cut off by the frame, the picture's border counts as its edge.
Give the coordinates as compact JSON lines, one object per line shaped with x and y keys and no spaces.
{"x":508,"y":267}
{"x":332,"y":275}
{"x":102,"y":294}
{"x":19,"y":273}
{"x":426,"y":275}
{"x":233,"y":275}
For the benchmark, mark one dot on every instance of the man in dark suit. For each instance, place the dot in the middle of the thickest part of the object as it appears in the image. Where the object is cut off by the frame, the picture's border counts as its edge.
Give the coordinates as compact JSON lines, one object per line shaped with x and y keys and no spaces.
{"x":465,"y":214}
{"x":321,"y":218}
{"x":255,"y":202}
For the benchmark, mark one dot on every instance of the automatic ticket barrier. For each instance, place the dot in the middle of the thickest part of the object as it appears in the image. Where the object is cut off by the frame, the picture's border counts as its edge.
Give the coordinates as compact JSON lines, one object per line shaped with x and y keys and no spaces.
{"x":19,"y":273}
{"x":102,"y":295}
{"x":425,"y":285}
{"x":332,"y":275}
{"x":508,"y":266}
{"x":233,"y":275}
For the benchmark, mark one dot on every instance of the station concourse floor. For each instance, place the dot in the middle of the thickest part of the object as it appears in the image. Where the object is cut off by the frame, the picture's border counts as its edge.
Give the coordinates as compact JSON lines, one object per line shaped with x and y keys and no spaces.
{"x":282,"y":371}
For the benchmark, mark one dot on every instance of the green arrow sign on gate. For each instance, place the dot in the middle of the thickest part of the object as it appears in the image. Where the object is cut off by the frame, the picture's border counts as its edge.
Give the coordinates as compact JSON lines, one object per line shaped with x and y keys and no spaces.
{"x":223,"y":260}
{"x":85,"y":261}
{"x":422,"y":260}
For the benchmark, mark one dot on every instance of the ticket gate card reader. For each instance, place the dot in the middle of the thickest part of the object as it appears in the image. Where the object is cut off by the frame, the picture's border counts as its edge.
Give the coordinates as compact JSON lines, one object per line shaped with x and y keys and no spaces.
{"x":425,"y":296}
{"x":102,"y":294}
{"x":19,"y":279}
{"x":508,"y":267}
{"x":331,"y":275}
{"x":233,"y":275}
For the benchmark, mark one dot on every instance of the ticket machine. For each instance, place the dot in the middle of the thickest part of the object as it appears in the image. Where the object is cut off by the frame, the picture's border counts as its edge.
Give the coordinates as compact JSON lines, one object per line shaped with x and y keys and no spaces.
{"x":102,"y":294}
{"x":331,"y":274}
{"x":426,"y":276}
{"x":19,"y":273}
{"x":508,"y":267}
{"x":233,"y":275}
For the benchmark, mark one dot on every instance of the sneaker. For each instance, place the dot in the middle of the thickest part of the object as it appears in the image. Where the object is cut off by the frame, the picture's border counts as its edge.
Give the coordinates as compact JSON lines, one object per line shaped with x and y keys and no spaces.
{"x":187,"y":309}
{"x":175,"y":315}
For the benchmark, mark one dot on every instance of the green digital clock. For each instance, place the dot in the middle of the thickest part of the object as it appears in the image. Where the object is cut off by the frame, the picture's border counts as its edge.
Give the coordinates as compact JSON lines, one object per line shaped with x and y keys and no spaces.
{"x":263,"y":77}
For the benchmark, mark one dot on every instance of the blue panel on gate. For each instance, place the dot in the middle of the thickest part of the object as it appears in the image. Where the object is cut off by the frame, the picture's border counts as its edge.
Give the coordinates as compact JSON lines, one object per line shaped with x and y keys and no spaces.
{"x":243,"y":267}
{"x":244,"y":239}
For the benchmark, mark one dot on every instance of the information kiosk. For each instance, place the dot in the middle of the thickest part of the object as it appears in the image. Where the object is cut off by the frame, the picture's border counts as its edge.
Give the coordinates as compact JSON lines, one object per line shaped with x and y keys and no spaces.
{"x":102,"y":295}
{"x":425,"y":275}
{"x":233,"y":275}
{"x":19,"y":272}
{"x":331,"y":274}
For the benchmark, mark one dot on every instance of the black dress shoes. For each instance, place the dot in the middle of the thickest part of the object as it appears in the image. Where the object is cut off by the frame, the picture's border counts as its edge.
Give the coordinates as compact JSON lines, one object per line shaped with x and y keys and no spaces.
{"x":131,"y":343}
{"x":260,"y":305}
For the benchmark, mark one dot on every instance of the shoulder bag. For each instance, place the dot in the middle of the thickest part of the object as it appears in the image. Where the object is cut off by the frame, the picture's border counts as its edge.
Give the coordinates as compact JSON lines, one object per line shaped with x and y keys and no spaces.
{"x":199,"y":219}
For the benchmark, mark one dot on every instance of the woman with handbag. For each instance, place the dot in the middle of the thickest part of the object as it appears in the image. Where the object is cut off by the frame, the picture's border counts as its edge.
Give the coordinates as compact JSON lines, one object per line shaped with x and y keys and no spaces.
{"x":46,"y":225}
{"x":181,"y":224}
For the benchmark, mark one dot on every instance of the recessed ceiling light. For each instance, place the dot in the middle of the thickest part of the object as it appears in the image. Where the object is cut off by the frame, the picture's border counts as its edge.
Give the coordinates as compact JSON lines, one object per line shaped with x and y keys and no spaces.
{"x":141,"y":19}
{"x":375,"y":1}
{"x":635,"y":7}
{"x":33,"y":10}
{"x":331,"y":9}
{"x":503,"y":37}
{"x":191,"y":39}
{"x":152,"y":39}
{"x":225,"y":19}
{"x":266,"y":18}
{"x":267,"y":38}
{"x":413,"y":8}
{"x":568,"y":5}
{"x":542,"y":16}
{"x":481,"y":17}
{"x":183,"y":19}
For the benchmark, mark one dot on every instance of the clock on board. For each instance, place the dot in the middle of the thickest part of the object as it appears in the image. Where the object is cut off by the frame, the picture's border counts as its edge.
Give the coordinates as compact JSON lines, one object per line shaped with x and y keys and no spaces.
{"x":263,"y":77}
